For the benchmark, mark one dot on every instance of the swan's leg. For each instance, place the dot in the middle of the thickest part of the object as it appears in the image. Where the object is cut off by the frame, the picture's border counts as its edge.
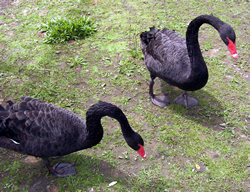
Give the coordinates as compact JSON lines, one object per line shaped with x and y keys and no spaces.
{"x":60,"y":169}
{"x":186,"y":100}
{"x":159,"y":100}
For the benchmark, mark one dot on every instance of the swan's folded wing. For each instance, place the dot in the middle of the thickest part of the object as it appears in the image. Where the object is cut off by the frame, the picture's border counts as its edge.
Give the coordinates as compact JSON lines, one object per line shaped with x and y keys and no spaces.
{"x":168,"y":47}
{"x":32,"y":118}
{"x":167,"y":56}
{"x":175,"y":37}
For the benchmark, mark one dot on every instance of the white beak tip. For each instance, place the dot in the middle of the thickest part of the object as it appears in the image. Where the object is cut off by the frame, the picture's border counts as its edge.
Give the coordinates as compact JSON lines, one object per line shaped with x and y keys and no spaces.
{"x":235,"y":55}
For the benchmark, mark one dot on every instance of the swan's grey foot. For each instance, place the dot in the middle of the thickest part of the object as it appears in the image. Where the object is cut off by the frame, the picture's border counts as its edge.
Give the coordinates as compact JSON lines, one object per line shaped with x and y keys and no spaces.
{"x":60,"y":169}
{"x":186,"y":100}
{"x":63,"y":169}
{"x":161,"y":100}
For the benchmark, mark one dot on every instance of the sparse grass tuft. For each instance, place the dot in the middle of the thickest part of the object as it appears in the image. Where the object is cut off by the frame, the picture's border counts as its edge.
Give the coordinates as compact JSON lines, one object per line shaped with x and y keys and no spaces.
{"x":61,"y":29}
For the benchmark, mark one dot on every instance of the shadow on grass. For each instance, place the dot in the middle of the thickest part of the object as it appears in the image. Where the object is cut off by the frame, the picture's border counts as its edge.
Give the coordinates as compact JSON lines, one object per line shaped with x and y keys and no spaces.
{"x":209,"y":112}
{"x":92,"y":175}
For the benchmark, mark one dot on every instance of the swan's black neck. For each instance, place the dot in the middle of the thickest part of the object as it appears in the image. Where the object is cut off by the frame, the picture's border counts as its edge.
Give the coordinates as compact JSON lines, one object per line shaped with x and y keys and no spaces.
{"x":193,"y":29}
{"x":93,"y":121}
{"x":194,"y":52}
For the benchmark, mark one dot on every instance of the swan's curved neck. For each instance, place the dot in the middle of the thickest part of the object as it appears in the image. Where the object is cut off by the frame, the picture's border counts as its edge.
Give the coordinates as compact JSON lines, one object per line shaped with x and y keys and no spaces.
{"x":193,"y":46}
{"x":199,"y":72}
{"x":93,"y":121}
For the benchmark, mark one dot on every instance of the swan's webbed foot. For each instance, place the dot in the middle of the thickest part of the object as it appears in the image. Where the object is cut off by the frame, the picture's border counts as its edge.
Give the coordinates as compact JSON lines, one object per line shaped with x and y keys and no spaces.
{"x":61,"y":169}
{"x":186,"y":100}
{"x":161,"y":100}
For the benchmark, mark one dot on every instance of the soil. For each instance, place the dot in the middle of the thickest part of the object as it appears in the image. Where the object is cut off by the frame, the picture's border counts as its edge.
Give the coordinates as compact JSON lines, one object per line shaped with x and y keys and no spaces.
{"x":5,"y":3}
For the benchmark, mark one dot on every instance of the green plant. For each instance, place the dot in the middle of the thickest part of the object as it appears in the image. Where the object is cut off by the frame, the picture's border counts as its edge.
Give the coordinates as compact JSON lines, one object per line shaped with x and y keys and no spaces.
{"x":63,"y":29}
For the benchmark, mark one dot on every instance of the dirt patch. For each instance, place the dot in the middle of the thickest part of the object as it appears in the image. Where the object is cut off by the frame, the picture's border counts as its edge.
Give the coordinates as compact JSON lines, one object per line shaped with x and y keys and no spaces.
{"x":43,"y":184}
{"x":107,"y":170}
{"x":6,"y":3}
{"x":212,"y":52}
{"x":39,"y":184}
{"x":31,"y":160}
{"x":213,"y":154}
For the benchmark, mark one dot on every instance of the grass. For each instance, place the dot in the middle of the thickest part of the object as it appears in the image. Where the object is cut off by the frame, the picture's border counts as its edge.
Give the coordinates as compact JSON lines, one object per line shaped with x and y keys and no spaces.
{"x":59,"y":29}
{"x":109,"y":66}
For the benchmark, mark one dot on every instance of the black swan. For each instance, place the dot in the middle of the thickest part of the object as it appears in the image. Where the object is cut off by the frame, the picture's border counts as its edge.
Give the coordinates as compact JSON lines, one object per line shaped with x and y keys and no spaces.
{"x":39,"y":129}
{"x":179,"y":62}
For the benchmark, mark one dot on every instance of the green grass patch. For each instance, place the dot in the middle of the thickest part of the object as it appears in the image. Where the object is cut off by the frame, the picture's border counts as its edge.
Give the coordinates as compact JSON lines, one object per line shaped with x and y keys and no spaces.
{"x":61,"y":29}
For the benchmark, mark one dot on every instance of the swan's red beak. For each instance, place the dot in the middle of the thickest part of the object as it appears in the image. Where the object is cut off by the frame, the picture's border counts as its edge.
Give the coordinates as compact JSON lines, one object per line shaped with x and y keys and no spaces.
{"x":141,"y":152}
{"x":232,"y":48}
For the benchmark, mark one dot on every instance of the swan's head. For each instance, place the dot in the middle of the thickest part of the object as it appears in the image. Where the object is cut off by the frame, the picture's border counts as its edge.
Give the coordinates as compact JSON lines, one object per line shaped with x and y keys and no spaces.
{"x":136,"y":142}
{"x":227,"y":34}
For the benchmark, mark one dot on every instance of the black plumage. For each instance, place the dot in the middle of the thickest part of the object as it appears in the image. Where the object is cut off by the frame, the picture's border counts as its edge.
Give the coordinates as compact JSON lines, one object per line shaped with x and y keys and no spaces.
{"x":43,"y":130}
{"x":179,"y":62}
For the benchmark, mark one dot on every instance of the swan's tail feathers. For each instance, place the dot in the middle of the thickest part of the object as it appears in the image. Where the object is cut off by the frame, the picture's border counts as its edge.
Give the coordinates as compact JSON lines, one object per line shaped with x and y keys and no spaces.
{"x":3,"y":115}
{"x":147,"y":36}
{"x":3,"y":112}
{"x":2,"y":108}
